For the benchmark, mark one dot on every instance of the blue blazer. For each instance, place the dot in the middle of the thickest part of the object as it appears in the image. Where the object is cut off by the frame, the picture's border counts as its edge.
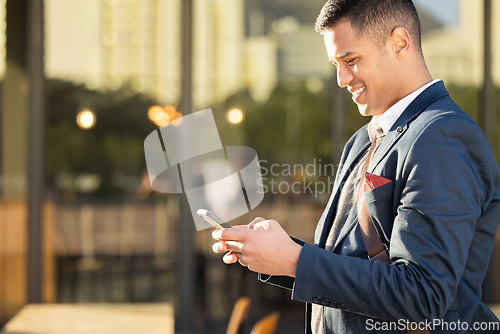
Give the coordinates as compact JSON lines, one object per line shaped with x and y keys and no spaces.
{"x":438,"y":217}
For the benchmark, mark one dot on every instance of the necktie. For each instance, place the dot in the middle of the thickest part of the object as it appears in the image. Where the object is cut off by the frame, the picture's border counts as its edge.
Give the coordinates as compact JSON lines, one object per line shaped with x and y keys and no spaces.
{"x":377,"y":135}
{"x":375,"y":248}
{"x":348,"y":195}
{"x":347,"y":203}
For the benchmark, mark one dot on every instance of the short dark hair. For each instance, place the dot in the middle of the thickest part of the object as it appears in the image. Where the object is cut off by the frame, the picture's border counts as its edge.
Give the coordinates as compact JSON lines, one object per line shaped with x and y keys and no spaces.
{"x":373,"y":18}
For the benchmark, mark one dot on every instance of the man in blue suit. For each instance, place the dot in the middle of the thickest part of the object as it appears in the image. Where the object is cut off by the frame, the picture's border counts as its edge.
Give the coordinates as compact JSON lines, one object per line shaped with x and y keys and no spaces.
{"x":436,"y":209}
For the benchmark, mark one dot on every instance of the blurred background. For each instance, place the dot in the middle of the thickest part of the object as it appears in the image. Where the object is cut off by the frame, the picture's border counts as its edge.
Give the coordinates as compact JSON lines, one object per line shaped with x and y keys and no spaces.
{"x":83,"y":82}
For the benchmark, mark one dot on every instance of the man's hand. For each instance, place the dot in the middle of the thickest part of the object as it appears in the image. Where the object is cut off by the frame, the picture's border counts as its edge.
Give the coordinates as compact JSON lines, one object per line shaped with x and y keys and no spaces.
{"x":262,"y":246}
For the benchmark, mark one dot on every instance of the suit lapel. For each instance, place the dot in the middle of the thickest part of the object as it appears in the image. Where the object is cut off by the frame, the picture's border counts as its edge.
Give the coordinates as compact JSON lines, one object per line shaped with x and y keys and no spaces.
{"x":418,"y":105}
{"x":360,"y":145}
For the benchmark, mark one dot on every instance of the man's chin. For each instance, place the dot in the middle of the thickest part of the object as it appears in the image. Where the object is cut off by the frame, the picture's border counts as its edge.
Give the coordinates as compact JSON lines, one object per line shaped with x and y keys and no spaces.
{"x":363,"y":110}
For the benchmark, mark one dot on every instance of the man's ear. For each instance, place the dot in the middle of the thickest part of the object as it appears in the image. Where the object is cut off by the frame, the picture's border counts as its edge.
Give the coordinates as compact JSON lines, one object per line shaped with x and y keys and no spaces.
{"x":401,"y":42}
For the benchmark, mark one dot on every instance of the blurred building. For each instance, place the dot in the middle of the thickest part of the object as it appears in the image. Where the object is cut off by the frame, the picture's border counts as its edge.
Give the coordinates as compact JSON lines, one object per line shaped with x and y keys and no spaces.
{"x":108,"y":43}
{"x":302,"y":52}
{"x":237,"y":44}
{"x":2,"y":37}
{"x":261,"y":66}
{"x":290,"y":24}
{"x":105,"y":44}
{"x":455,"y":53}
{"x":218,"y":54}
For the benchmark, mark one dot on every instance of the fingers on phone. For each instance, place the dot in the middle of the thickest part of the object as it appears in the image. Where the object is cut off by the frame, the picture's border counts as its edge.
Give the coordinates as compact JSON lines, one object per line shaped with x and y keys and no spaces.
{"x":230,"y":258}
{"x":216,"y":234}
{"x":219,"y":247}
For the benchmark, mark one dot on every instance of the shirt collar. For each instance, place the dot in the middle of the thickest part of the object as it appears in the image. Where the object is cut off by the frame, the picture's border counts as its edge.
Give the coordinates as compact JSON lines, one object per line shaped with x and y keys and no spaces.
{"x":391,"y":115}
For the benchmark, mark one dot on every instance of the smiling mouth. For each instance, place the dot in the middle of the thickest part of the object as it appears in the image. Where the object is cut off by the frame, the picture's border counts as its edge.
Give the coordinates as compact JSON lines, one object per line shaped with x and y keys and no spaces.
{"x":356,"y":94}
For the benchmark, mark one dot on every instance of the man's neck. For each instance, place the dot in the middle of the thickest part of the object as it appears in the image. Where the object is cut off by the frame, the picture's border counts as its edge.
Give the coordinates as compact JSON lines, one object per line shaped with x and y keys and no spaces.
{"x":420,"y":76}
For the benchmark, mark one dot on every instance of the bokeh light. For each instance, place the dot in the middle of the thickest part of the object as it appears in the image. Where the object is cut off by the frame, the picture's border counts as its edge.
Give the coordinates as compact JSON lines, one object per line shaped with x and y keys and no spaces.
{"x":85,"y":119}
{"x":161,"y":116}
{"x":234,"y":116}
{"x":158,"y":116}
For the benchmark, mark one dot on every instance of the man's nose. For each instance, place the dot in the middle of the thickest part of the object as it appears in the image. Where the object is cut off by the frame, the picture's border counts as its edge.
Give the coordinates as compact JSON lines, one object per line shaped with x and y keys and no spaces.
{"x":344,"y":76}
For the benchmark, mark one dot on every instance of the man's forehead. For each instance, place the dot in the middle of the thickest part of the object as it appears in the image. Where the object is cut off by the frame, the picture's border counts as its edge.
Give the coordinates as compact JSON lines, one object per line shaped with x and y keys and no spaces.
{"x":339,"y":42}
{"x":341,"y":29}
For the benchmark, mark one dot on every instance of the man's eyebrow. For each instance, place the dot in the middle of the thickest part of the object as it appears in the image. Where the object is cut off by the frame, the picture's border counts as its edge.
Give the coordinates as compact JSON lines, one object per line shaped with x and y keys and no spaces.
{"x":340,"y":56}
{"x":343,"y":54}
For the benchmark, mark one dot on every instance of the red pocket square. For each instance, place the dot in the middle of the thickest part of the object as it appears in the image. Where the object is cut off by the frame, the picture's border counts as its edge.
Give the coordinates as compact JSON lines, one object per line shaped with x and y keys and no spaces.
{"x":373,"y":181}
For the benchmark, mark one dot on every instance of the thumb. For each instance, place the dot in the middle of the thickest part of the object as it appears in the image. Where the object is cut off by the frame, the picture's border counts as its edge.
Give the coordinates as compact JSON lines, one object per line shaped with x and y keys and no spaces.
{"x":262,"y":225}
{"x":251,"y":226}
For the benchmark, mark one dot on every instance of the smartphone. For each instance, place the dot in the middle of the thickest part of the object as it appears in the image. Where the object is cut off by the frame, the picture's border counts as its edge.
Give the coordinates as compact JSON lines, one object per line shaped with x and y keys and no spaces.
{"x":212,"y":219}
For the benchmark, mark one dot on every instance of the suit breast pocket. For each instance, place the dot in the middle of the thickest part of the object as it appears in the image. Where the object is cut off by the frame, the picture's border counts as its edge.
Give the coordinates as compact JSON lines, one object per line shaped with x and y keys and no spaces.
{"x":380,"y":204}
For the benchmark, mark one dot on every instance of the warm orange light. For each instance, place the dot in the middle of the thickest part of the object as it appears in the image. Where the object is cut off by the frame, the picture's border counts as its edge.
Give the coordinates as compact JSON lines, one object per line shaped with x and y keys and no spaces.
{"x":85,"y":119}
{"x":158,"y":116}
{"x":234,"y":116}
{"x":171,"y":111}
{"x":177,"y":119}
{"x":162,"y":116}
